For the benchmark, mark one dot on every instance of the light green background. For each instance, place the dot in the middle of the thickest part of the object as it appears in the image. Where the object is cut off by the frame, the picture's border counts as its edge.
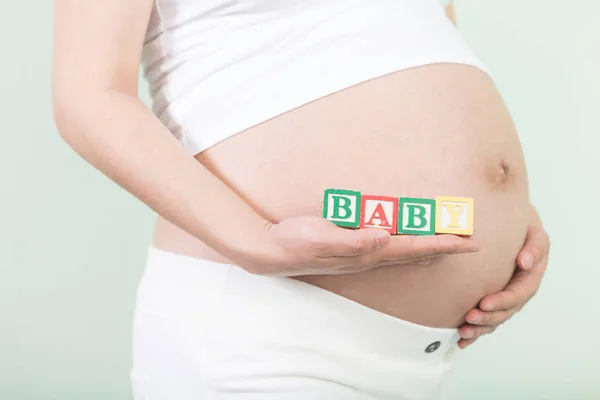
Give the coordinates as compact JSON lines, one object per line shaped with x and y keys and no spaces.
{"x":72,"y":243}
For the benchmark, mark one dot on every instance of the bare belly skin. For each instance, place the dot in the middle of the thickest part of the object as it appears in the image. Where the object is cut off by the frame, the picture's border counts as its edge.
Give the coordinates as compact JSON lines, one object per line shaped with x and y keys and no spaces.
{"x":441,"y":129}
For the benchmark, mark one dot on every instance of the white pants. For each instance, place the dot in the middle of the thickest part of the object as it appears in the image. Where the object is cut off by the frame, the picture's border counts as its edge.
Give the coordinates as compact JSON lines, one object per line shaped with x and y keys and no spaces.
{"x":205,"y":330}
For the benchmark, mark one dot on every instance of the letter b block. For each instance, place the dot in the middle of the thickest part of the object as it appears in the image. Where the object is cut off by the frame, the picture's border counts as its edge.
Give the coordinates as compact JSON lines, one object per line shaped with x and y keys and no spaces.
{"x":379,"y":212}
{"x":455,"y":215}
{"x":416,"y":216}
{"x":342,"y":207}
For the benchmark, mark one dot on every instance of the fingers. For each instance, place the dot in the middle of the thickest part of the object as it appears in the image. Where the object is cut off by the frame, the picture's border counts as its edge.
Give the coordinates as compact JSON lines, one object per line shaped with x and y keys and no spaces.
{"x":360,"y":243}
{"x":424,"y":260}
{"x":522,"y":287}
{"x":385,"y":255}
{"x":537,"y":243}
{"x":468,"y":331}
{"x":507,"y":299}
{"x":379,"y":258}
{"x":536,"y":247}
{"x":389,"y":263}
{"x":493,"y":318}
{"x":464,"y":343}
{"x":403,"y":247}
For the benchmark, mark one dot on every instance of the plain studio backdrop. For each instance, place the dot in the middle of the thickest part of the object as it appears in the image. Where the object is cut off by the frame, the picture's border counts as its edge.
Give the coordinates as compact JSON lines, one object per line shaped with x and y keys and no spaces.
{"x":72,"y":243}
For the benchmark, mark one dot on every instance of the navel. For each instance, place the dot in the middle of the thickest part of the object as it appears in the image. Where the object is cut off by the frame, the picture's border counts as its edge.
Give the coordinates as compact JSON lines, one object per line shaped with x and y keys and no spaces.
{"x":504,"y":172}
{"x":500,"y":173}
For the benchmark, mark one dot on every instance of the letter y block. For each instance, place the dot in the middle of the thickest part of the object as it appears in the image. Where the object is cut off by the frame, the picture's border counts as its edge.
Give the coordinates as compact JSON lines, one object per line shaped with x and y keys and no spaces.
{"x":455,"y":215}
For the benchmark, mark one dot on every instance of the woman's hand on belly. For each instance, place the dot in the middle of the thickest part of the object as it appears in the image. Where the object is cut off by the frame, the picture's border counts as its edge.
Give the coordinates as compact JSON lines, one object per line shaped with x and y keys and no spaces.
{"x":309,"y":245}
{"x":498,"y":308}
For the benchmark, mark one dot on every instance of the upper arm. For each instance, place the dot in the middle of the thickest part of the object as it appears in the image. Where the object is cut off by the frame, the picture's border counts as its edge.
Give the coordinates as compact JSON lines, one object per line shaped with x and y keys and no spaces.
{"x":97,"y":45}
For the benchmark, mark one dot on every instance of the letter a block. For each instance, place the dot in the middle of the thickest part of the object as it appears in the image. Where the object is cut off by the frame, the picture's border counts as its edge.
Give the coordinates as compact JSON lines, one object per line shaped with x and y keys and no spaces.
{"x":379,"y":212}
{"x":342,"y":207}
{"x":454,"y":215}
{"x":416,"y":216}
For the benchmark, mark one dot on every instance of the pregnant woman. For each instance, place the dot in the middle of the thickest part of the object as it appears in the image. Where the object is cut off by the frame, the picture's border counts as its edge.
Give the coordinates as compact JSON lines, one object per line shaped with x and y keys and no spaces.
{"x":258,"y":107}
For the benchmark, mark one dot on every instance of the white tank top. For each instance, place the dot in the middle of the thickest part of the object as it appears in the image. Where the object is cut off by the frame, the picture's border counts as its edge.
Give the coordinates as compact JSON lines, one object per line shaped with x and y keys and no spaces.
{"x":218,"y":67}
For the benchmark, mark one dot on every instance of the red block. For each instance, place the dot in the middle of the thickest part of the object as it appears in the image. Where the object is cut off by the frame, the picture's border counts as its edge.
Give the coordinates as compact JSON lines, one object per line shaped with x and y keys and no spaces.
{"x":379,"y":212}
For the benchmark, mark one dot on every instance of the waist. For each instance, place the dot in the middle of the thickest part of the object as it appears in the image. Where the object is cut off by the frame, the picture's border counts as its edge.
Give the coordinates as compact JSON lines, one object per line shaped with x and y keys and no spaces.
{"x":435,"y":130}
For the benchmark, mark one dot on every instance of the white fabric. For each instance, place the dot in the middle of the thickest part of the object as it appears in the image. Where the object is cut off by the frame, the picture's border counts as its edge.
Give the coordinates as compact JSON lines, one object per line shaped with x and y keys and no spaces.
{"x":218,"y":67}
{"x":205,"y":330}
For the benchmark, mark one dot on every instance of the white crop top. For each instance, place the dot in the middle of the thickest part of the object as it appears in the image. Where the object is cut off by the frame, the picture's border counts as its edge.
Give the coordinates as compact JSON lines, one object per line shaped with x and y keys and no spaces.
{"x":218,"y":67}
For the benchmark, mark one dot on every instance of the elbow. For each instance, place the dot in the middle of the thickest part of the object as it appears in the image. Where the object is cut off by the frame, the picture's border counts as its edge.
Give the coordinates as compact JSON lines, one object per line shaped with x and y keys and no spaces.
{"x":64,"y":112}
{"x":81,"y":115}
{"x":73,"y":112}
{"x":72,"y":101}
{"x":60,"y":116}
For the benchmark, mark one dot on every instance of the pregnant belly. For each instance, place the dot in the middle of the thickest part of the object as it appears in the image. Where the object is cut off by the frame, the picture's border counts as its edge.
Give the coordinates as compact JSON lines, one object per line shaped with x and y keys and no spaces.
{"x":435,"y":130}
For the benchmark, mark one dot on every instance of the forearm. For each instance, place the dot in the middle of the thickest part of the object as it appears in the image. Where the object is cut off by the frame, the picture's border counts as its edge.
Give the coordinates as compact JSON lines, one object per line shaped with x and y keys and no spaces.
{"x":119,"y":136}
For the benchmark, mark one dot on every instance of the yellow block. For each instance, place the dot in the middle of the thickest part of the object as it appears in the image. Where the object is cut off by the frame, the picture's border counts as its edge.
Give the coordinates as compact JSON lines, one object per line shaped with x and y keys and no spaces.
{"x":454,"y":215}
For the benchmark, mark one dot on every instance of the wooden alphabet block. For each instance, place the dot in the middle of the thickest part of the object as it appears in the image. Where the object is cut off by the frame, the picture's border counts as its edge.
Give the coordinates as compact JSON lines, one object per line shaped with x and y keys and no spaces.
{"x":416,"y":216}
{"x":379,"y":212}
{"x":342,"y":207}
{"x":454,"y":215}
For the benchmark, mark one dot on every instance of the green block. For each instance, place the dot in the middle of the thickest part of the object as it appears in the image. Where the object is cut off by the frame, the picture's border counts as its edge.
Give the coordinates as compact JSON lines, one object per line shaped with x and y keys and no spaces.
{"x":416,"y":216}
{"x":342,"y":207}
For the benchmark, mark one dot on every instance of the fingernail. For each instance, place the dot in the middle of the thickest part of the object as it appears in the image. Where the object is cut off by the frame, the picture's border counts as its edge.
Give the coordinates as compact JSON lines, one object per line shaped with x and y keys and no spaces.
{"x":468,"y":335}
{"x":527,"y":261}
{"x":487,"y":307}
{"x":475,"y":320}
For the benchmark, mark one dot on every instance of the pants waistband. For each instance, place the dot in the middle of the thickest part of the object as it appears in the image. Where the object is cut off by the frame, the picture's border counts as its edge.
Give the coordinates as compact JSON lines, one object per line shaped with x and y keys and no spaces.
{"x":246,"y":304}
